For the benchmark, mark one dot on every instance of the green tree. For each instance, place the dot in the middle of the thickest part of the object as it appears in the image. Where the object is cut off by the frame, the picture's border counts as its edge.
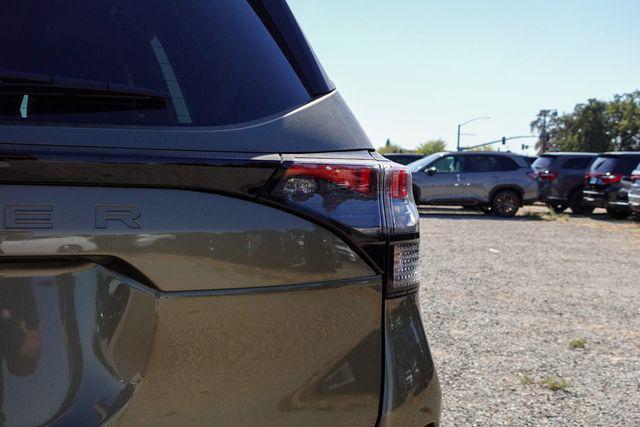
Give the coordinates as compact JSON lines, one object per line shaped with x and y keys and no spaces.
{"x":390,"y":147}
{"x":624,"y":121}
{"x":544,"y":124}
{"x":432,"y":146}
{"x":585,"y":129}
{"x":593,"y":126}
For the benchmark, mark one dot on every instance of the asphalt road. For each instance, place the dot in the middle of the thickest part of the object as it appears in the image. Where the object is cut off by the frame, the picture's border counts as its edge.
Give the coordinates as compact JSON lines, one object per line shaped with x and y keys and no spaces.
{"x":533,"y":320}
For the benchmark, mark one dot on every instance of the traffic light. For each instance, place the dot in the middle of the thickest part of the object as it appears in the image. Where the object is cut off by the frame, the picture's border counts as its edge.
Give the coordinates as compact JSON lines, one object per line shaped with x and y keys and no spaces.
{"x":504,"y":140}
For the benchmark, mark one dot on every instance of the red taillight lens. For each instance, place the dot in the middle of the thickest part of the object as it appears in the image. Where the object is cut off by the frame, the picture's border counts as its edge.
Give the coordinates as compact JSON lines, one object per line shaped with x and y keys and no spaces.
{"x":400,"y":186}
{"x":360,"y":179}
{"x":548,"y":176}
{"x":611,"y":178}
{"x":356,"y":195}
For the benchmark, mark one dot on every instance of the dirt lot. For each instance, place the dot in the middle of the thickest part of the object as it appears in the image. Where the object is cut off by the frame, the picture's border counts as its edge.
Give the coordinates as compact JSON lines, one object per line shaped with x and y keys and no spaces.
{"x":534,"y":320}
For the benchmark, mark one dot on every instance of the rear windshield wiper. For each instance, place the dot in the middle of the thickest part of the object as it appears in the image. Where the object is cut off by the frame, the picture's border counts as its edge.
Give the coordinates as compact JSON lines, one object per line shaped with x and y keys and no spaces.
{"x":22,"y":83}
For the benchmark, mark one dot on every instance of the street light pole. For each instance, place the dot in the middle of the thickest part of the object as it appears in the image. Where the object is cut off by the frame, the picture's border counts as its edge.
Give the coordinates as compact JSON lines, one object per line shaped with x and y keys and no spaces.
{"x":466,"y":123}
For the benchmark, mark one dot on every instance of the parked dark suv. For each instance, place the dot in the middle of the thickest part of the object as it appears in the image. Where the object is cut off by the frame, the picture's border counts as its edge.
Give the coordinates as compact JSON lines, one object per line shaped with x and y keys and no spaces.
{"x":194,"y":229}
{"x":608,"y":182}
{"x":498,"y":183}
{"x":561,"y":178}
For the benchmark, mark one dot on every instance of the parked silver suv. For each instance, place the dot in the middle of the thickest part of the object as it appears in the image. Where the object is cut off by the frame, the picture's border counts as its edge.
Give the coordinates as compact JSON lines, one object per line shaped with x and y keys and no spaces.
{"x":498,"y":183}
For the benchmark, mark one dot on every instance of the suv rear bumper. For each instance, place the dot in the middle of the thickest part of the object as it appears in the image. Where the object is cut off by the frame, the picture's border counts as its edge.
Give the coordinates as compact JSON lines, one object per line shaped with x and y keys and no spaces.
{"x":606,"y":200}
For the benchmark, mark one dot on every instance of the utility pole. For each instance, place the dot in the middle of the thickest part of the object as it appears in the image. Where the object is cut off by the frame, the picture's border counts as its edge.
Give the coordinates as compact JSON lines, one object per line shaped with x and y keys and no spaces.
{"x":544,"y":130}
{"x":544,"y":137}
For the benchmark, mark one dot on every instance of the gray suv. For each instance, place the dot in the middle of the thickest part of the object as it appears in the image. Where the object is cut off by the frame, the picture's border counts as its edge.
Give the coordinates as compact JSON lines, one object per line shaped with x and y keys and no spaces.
{"x":498,"y":183}
{"x":194,"y":228}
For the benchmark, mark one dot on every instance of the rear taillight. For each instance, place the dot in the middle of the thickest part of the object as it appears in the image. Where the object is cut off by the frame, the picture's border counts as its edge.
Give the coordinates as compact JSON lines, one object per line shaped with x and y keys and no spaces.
{"x":605,"y":178}
{"x":401,"y":212}
{"x":345,"y":193}
{"x":548,"y":176}
{"x":611,"y":178}
{"x":372,"y":198}
{"x":321,"y":178}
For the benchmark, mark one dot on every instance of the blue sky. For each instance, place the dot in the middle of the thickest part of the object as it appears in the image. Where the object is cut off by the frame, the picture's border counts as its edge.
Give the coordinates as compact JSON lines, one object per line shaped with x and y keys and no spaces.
{"x":413,"y":69}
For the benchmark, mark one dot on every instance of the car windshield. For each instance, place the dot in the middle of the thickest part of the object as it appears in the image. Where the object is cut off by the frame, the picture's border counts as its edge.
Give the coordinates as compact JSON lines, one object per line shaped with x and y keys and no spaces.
{"x":543,"y":163}
{"x":221,"y":62}
{"x":418,"y":165}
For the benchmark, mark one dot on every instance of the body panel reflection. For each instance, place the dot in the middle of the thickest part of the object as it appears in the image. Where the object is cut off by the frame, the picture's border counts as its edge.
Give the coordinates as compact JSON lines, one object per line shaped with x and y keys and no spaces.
{"x":87,"y":367}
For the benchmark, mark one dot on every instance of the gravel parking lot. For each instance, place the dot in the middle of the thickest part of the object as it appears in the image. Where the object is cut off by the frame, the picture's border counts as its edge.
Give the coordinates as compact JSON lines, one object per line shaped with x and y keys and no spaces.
{"x":534,"y":320}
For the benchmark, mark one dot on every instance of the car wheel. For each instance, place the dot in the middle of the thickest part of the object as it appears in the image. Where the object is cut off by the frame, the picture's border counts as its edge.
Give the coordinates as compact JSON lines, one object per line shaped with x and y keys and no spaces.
{"x":616,"y":214}
{"x":506,"y":203}
{"x":557,"y":208}
{"x":577,"y":205}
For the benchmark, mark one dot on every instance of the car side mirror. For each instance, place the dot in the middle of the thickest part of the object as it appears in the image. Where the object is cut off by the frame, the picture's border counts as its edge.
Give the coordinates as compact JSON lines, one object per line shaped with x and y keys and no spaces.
{"x":431,"y":171}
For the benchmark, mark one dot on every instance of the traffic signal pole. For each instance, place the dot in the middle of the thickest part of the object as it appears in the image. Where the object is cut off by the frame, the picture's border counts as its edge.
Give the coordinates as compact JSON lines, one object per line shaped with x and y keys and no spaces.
{"x":503,"y":140}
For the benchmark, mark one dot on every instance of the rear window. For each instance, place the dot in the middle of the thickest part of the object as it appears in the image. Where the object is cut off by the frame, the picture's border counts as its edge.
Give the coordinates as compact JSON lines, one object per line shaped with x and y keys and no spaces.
{"x":577,"y":163}
{"x":605,"y":164}
{"x":218,"y":62}
{"x":617,"y":164}
{"x":544,"y":162}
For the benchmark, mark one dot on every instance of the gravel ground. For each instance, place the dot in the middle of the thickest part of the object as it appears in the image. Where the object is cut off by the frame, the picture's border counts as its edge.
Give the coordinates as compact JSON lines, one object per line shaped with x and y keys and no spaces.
{"x":503,"y":303}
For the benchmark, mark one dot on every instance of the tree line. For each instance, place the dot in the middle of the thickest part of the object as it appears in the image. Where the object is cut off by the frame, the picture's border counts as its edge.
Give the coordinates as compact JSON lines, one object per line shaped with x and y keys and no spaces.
{"x":593,"y":126}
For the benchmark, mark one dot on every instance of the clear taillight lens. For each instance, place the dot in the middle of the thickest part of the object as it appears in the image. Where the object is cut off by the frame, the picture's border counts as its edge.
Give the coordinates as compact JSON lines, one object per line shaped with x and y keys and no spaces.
{"x":405,"y":267}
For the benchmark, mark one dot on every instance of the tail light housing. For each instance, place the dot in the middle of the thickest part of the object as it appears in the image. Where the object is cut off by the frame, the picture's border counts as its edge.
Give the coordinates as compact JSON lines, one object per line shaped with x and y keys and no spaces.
{"x":605,"y":178}
{"x":611,"y":178}
{"x":373,"y":199}
{"x":548,"y":176}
